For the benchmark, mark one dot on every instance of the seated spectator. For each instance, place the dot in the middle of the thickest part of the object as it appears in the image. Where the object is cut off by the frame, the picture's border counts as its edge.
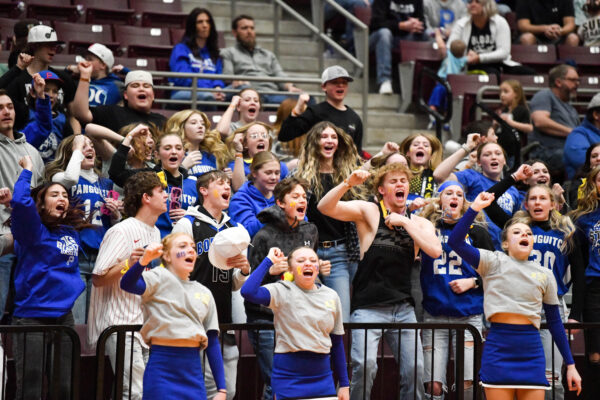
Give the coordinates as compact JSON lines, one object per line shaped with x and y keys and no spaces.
{"x":442,"y":14}
{"x":245,"y":143}
{"x":48,"y":124}
{"x":42,"y":45}
{"x":589,"y":30}
{"x":514,"y":109}
{"x":204,"y":149}
{"x":581,"y":13}
{"x":257,"y":193}
{"x":334,"y":82}
{"x":582,"y":137}
{"x":554,"y":118}
{"x":198,"y":52}
{"x":392,"y":21}
{"x":487,"y":36}
{"x":19,"y":39}
{"x":105,"y":86}
{"x":138,"y":96}
{"x":543,"y":21}
{"x":247,"y":103}
{"x":246,"y":58}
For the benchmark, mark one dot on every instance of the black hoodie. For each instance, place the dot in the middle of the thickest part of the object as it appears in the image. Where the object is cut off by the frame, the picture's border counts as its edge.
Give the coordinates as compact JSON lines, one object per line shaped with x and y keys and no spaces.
{"x":276,"y":233}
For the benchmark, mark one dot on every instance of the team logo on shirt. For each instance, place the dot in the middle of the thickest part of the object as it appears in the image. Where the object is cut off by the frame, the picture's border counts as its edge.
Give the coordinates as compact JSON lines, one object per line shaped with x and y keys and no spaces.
{"x":68,"y":246}
{"x":205,"y":298}
{"x":330,"y":305}
{"x":539,"y":276}
{"x":594,"y":236}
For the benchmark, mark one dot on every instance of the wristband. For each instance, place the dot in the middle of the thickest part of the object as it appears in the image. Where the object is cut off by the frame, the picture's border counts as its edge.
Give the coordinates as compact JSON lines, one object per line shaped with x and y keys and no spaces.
{"x":239,"y":155}
{"x":466,"y":148}
{"x":348,"y":185}
{"x":477,"y":282}
{"x":222,"y":391}
{"x":125,"y":268}
{"x":84,"y":80}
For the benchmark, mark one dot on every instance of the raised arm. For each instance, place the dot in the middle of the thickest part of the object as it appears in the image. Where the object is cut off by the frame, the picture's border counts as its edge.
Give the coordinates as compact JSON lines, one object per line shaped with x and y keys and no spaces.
{"x":444,"y":170}
{"x":223,"y":126}
{"x":494,"y":211}
{"x":26,"y":223}
{"x":81,"y":103}
{"x":457,"y":238}
{"x":132,"y":281}
{"x":252,"y":291}
{"x":347,"y":211}
{"x":420,"y":230}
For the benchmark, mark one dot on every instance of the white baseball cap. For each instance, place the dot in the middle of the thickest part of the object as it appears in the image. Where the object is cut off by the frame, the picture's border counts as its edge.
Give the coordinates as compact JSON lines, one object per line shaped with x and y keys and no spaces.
{"x":43,"y":34}
{"x":226,"y":244}
{"x":595,"y":102}
{"x":103,"y":53}
{"x":138,"y":76}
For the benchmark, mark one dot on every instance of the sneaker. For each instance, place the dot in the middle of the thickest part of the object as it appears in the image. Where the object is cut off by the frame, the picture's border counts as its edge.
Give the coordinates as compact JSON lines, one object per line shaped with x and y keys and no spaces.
{"x":386,"y":88}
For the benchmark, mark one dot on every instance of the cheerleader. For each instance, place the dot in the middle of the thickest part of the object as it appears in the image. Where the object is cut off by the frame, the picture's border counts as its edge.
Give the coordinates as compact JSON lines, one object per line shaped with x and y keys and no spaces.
{"x":450,"y":294}
{"x":180,"y":319}
{"x":515,"y":289}
{"x":308,"y":326}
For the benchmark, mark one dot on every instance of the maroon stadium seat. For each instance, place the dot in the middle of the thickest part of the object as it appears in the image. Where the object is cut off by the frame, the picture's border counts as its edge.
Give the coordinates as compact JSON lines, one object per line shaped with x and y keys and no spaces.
{"x":12,"y":9}
{"x":586,"y":57}
{"x":414,"y":57}
{"x":176,"y":35}
{"x":464,"y":89}
{"x":540,"y":57}
{"x":63,"y":59}
{"x":6,"y":32}
{"x":144,"y":42}
{"x":537,"y":81}
{"x":80,"y":36}
{"x":159,"y":12}
{"x":107,"y":11}
{"x":137,"y":63}
{"x":55,"y":10}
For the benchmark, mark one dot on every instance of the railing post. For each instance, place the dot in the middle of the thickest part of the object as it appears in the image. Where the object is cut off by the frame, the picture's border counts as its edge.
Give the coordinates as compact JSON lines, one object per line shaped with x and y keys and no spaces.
{"x":459,"y":360}
{"x":194,"y":93}
{"x":318,"y":20}
{"x":276,"y":29}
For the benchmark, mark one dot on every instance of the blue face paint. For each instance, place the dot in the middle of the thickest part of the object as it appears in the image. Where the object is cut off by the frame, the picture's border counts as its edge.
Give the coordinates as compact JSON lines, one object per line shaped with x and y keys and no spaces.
{"x":180,"y":254}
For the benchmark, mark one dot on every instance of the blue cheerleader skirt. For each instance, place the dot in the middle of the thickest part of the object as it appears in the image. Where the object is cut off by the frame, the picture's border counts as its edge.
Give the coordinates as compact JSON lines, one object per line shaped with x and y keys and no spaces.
{"x":174,"y":373}
{"x":302,"y":375}
{"x":513,"y":357}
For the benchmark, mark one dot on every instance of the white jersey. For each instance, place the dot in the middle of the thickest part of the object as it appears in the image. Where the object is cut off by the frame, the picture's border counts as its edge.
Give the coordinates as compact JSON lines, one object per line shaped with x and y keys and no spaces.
{"x":110,"y":305}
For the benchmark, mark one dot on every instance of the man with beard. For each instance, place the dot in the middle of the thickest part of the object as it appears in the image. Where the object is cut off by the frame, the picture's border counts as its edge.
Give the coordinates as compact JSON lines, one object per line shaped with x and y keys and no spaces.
{"x":246,"y":58}
{"x":138,"y":96}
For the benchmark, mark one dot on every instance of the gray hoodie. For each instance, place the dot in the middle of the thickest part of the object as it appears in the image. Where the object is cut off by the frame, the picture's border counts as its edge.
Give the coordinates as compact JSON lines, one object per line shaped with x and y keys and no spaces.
{"x":11,"y":152}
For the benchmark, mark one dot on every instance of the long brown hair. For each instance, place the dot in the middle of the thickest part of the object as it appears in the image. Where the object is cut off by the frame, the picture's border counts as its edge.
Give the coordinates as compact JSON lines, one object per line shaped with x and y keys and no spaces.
{"x":75,"y":213}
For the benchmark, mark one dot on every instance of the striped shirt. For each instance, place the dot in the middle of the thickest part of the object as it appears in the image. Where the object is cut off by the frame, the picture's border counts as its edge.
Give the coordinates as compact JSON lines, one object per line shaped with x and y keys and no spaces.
{"x":110,"y":305}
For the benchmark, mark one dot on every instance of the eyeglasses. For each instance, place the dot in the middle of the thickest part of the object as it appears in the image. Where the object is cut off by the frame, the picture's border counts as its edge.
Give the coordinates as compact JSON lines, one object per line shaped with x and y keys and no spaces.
{"x":471,"y":1}
{"x":175,"y":197}
{"x":262,"y":135}
{"x":577,"y":80}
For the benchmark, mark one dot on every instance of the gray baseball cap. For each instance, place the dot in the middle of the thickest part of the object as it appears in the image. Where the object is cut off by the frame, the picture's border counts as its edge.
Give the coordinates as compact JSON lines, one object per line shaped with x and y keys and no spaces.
{"x":594,"y":102}
{"x":334,"y":72}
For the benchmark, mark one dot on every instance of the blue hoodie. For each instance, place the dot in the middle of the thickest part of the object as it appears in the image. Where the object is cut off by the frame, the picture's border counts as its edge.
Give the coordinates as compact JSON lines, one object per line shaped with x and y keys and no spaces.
{"x":183,"y":60}
{"x":245,"y":205}
{"x":576,"y":145}
{"x":44,"y":131}
{"x":106,"y":91}
{"x":47,"y":280}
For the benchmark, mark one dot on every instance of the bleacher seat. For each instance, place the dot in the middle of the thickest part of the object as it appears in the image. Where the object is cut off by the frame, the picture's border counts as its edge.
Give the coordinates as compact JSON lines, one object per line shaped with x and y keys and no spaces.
{"x":4,"y":56}
{"x":61,"y":10}
{"x":80,"y":36}
{"x":176,"y":34}
{"x":414,"y":56}
{"x":137,"y":63}
{"x":144,"y":42}
{"x":63,"y":59}
{"x":586,"y":57}
{"x":6,"y":32}
{"x":537,"y":81}
{"x":107,"y":11}
{"x":464,"y":89}
{"x":540,"y":57}
{"x":12,"y":9}
{"x":164,"y":13}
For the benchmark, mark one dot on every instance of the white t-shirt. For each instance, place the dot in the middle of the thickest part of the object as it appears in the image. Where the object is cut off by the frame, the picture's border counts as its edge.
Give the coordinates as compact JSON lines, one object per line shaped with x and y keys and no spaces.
{"x":304,"y":319}
{"x":177,"y":309}
{"x":110,"y":305}
{"x":512,"y":286}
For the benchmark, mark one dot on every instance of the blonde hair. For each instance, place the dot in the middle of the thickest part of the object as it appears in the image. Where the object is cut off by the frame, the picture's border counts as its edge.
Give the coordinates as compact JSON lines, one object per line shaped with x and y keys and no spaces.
{"x":590,"y":196}
{"x":436,"y":149}
{"x":489,"y":7}
{"x":244,"y":129}
{"x":211,"y":143}
{"x":64,"y":152}
{"x":260,"y":159}
{"x":516,"y":86}
{"x":434,"y":213}
{"x":558,"y":222}
{"x":345,"y":160}
{"x":138,"y":144}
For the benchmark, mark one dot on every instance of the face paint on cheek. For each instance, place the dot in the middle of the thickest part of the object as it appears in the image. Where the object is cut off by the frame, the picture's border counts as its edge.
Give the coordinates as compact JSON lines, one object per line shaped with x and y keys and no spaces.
{"x":180,"y":254}
{"x":216,"y":193}
{"x":390,"y":191}
{"x":292,"y":204}
{"x":299,"y":270}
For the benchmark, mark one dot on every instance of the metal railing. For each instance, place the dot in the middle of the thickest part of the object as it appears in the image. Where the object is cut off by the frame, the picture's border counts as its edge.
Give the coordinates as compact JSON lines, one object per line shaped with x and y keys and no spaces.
{"x":384,"y":386}
{"x":47,"y":359}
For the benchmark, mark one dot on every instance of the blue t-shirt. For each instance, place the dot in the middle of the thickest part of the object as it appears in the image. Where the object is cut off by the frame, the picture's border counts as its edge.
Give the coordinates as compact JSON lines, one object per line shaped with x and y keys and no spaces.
{"x":436,"y":275}
{"x":208,"y":163}
{"x":92,"y":196}
{"x":474,"y":183}
{"x":105,"y":91}
{"x":452,"y":65}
